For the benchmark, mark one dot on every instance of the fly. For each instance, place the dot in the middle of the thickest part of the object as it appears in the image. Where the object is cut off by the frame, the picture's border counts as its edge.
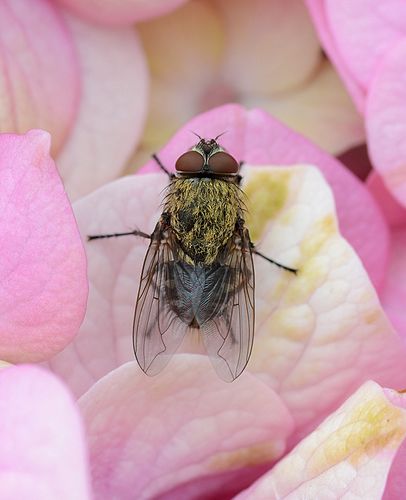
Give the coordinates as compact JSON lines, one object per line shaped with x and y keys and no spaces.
{"x":198,"y":271}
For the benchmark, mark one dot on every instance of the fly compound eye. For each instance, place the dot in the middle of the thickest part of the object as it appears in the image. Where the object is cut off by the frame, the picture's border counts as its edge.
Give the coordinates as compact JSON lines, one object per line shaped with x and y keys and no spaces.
{"x":189,"y":162}
{"x":223,"y":163}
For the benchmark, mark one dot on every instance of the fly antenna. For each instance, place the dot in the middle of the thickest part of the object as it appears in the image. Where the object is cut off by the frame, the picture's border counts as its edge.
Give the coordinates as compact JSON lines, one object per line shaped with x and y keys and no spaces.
{"x":222,"y":133}
{"x":197,"y":135}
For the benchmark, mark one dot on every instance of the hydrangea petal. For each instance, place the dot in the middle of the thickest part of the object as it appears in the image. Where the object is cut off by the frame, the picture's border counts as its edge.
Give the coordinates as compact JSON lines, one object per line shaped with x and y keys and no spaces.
{"x":322,"y":331}
{"x":348,"y":456}
{"x":321,"y":110}
{"x":150,"y":435}
{"x":282,"y":61}
{"x":386,"y":122}
{"x":43,"y":272}
{"x":112,"y":108}
{"x":123,"y":13}
{"x":393,"y":293}
{"x":394,"y":212}
{"x":257,"y":138}
{"x":317,"y":9}
{"x":364,"y":30}
{"x":39,"y":81}
{"x":42,"y":451}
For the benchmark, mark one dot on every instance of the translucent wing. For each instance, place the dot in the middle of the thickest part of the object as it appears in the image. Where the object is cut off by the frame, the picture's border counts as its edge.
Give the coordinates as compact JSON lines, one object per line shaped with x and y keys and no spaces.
{"x":158,"y":328}
{"x":226,"y":313}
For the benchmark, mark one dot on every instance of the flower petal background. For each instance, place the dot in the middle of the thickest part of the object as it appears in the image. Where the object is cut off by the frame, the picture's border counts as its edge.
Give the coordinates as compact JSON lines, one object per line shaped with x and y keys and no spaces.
{"x":42,"y":451}
{"x":349,"y":455}
{"x":39,"y":81}
{"x":112,"y":107}
{"x":43,"y":273}
{"x":151,"y":435}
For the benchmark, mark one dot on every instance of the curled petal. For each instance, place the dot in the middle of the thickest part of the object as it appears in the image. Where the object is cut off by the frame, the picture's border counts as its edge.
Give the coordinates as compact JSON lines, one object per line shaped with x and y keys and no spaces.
{"x":43,"y":272}
{"x":386,"y":121}
{"x":42,"y":453}
{"x":39,"y":81}
{"x":348,"y":456}
{"x":151,"y":435}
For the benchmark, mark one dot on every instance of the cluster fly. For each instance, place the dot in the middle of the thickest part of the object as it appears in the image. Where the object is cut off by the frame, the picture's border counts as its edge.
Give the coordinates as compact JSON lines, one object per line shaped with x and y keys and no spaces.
{"x":198,"y":272}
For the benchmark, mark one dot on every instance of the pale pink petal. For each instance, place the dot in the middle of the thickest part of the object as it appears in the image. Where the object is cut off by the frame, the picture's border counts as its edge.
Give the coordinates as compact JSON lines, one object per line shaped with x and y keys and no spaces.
{"x":324,"y":330}
{"x":321,"y":110}
{"x":39,"y":78}
{"x":394,"y":212}
{"x":150,"y":435}
{"x":112,"y":108}
{"x":386,"y":121}
{"x":317,"y":9}
{"x":42,"y":452}
{"x":124,"y":12}
{"x":270,"y":47}
{"x":348,"y":456}
{"x":257,"y":138}
{"x":43,"y":266}
{"x":393,"y":293}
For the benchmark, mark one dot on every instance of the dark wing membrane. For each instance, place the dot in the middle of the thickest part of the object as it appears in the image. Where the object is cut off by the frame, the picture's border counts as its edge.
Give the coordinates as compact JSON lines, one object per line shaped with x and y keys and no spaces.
{"x":226,"y":315}
{"x":160,"y":319}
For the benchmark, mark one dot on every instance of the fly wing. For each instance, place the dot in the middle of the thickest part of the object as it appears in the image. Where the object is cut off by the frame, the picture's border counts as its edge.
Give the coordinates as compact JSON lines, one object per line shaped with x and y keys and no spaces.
{"x":161,"y":318}
{"x":226,"y":314}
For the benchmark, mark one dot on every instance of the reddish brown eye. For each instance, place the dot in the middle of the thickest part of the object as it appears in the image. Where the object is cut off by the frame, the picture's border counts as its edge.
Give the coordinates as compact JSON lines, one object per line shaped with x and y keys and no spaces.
{"x":191,"y":161}
{"x":223,"y":163}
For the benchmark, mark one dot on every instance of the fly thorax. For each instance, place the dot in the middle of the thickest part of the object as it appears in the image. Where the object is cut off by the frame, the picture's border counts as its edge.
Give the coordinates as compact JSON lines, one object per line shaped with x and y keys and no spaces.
{"x":203,"y":213}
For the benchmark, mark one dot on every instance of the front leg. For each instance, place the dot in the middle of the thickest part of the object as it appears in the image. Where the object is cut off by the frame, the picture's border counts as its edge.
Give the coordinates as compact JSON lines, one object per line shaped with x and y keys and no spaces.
{"x":116,"y":235}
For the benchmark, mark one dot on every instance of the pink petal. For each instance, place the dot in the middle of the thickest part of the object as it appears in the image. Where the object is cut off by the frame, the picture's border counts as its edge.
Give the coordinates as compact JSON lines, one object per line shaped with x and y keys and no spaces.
{"x":257,"y":138}
{"x":321,"y":110}
{"x":393,"y":293}
{"x":317,"y":9}
{"x":394,"y":212}
{"x":150,"y":435}
{"x":112,"y":108}
{"x":396,"y":482}
{"x":125,"y":12}
{"x":287,"y":52}
{"x":42,"y":451}
{"x":348,"y":456}
{"x":386,"y":122}
{"x":43,"y":272}
{"x":363,"y":31}
{"x":39,"y":86}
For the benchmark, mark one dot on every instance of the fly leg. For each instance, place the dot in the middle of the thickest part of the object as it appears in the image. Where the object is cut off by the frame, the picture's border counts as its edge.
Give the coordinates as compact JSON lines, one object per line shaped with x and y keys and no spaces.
{"x":162,"y":167}
{"x":290,"y":269}
{"x":115,"y":235}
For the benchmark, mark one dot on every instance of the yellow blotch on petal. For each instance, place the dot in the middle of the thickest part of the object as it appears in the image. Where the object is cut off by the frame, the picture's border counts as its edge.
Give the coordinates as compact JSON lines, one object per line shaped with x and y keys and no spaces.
{"x":369,"y":428}
{"x":245,"y":457}
{"x":321,"y":231}
{"x":266,"y":194}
